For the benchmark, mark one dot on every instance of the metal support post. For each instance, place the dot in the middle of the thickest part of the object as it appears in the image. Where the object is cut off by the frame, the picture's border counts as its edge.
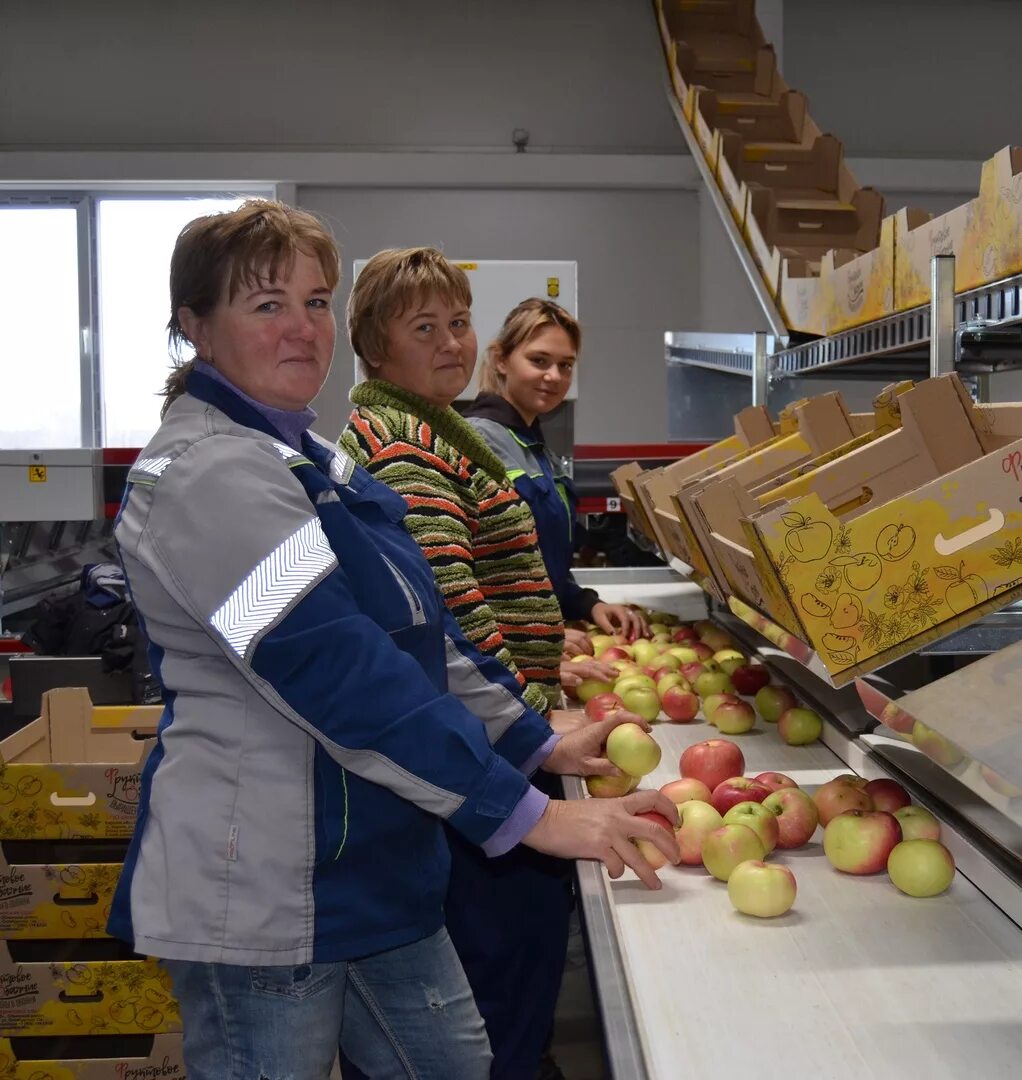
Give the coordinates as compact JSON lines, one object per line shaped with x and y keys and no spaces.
{"x":760,"y":370}
{"x":942,"y":315}
{"x":982,"y":389}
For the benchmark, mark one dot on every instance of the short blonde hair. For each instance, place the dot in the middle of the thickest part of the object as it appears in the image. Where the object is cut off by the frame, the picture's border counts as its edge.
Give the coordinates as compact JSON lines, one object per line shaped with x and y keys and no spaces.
{"x":389,"y":284}
{"x":520,"y":326}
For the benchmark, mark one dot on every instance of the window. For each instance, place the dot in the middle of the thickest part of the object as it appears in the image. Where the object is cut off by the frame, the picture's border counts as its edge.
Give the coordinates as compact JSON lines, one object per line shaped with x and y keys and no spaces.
{"x":84,"y":300}
{"x":40,"y":390}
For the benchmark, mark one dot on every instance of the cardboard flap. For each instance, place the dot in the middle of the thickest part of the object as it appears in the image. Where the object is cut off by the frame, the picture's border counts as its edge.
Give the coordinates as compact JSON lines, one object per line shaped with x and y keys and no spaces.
{"x":824,"y":422}
{"x":939,"y":412}
{"x":30,"y":743}
{"x":753,"y":425}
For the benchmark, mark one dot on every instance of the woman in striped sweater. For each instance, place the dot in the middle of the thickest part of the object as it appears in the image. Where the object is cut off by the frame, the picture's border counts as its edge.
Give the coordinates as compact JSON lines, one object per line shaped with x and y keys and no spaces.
{"x":410,"y":326}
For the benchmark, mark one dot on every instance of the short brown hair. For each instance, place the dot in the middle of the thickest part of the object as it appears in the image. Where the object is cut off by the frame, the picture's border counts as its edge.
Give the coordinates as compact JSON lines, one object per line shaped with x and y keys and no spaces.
{"x":388,"y":285}
{"x":219,"y":253}
{"x":520,"y":326}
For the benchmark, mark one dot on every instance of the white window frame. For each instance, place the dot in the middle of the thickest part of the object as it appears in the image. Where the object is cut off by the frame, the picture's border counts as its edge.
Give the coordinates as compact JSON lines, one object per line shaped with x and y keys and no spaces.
{"x":85,"y":200}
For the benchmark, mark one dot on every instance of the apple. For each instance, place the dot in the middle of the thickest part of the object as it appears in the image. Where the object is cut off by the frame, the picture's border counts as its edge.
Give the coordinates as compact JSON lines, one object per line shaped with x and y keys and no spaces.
{"x":643,"y":651}
{"x":712,"y":761}
{"x":887,"y":795}
{"x":702,"y":650}
{"x":600,"y":643}
{"x":712,"y":702}
{"x":664,"y":683}
{"x":935,"y":746}
{"x":632,"y":750}
{"x":616,"y":652}
{"x":917,"y":823}
{"x":757,"y":817}
{"x":860,"y":841}
{"x":610,"y":787}
{"x":737,"y":789}
{"x":600,"y":707}
{"x":717,"y":639}
{"x":684,"y":654}
{"x":684,"y":633}
{"x":749,"y":679}
{"x":692,"y":671}
{"x":921,"y":867}
{"x":773,"y":701}
{"x":680,"y":706}
{"x":623,"y":667}
{"x":697,"y":820}
{"x":799,"y":727}
{"x":837,"y":796}
{"x":734,"y":718}
{"x":643,"y":701}
{"x":661,"y":638}
{"x":649,"y":851}
{"x":701,"y":626}
{"x":713,"y":682}
{"x":729,"y":659}
{"x":761,"y":889}
{"x":589,"y":688}
{"x":626,"y":682}
{"x":797,"y":816}
{"x":775,"y":780}
{"x":665,"y":664}
{"x":687,"y":789}
{"x":726,"y":847}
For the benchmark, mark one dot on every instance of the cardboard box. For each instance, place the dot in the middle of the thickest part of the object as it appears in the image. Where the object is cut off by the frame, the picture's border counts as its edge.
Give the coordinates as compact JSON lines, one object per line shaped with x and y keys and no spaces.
{"x":992,"y":246}
{"x":164,"y":1061}
{"x":802,"y":297}
{"x":859,"y":287}
{"x":917,"y":238}
{"x":897,"y":543}
{"x":622,"y":478}
{"x":62,"y":779}
{"x":56,"y":901}
{"x":94,"y":997}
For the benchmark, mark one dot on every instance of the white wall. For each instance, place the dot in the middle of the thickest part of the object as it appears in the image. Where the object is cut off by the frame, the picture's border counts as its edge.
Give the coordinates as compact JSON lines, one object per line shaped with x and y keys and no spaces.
{"x":638,"y":274}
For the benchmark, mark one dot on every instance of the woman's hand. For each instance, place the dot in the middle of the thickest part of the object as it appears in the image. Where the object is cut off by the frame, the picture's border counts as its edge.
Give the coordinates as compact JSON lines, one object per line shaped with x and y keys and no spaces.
{"x":573,"y":672}
{"x":565,"y":721}
{"x":604,"y":829}
{"x":582,"y":752}
{"x":576,"y":643}
{"x":619,"y":619}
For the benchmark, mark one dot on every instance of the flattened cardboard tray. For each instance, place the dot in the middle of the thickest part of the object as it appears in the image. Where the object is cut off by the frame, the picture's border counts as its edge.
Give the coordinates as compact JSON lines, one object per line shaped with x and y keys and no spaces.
{"x":165,"y":1060}
{"x":968,"y":723}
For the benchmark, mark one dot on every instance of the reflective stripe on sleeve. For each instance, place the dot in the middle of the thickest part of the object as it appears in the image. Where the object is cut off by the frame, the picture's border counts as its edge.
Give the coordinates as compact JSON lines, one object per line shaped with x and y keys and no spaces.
{"x":270,"y":589}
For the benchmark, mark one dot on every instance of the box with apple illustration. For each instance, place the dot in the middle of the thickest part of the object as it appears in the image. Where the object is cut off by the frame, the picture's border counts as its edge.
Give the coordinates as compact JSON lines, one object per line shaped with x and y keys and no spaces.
{"x":165,"y":1060}
{"x":895,"y":543}
{"x":56,"y":900}
{"x":93,"y":997}
{"x":73,"y":773}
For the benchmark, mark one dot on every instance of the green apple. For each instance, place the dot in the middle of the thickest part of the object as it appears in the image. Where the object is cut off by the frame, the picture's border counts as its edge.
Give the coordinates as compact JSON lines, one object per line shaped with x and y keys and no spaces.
{"x":726,"y":847}
{"x":757,"y":817}
{"x":799,"y":727}
{"x":921,"y":867}
{"x":626,"y":682}
{"x":610,"y":787}
{"x":644,"y":652}
{"x":632,"y":750}
{"x":729,"y":659}
{"x":589,"y":688}
{"x":773,"y":701}
{"x":713,"y":682}
{"x":665,"y":682}
{"x":601,"y":642}
{"x":643,"y":701}
{"x":683,"y":654}
{"x":917,"y":823}
{"x":765,"y":890}
{"x":734,"y":718}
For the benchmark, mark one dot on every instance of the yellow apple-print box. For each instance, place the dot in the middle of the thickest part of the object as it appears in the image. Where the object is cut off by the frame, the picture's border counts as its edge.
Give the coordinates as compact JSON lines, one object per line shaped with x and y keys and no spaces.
{"x":925,"y":563}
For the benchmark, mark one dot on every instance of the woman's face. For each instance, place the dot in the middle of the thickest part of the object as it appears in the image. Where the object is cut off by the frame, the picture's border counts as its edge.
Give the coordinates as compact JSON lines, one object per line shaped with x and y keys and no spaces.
{"x":274,"y":341}
{"x":538,"y":373}
{"x":431,"y":350}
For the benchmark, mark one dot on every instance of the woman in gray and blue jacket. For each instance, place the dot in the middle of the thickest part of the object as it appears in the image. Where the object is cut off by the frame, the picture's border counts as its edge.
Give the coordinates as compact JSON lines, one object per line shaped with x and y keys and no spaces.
{"x":526,"y":374}
{"x":324,"y":715}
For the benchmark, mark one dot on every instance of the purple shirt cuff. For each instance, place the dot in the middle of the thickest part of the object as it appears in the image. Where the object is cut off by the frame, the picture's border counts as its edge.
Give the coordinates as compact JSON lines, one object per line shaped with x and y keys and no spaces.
{"x":540,"y":755}
{"x":522,"y":819}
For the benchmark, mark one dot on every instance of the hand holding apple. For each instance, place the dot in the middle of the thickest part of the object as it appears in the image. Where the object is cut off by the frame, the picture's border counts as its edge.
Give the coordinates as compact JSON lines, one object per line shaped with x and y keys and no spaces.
{"x":696,"y":821}
{"x":631,"y":749}
{"x":582,"y":752}
{"x":611,"y":787}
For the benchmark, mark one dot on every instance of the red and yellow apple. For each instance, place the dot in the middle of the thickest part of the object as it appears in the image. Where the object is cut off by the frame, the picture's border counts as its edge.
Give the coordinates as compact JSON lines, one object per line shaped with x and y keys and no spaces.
{"x":775,"y":780}
{"x":589,"y":688}
{"x":712,"y":761}
{"x":838,"y":796}
{"x":726,"y":847}
{"x":917,"y":823}
{"x":765,"y":890}
{"x":672,"y":678}
{"x":729,"y":659}
{"x":603,"y":705}
{"x":713,"y":701}
{"x":649,"y":851}
{"x":734,"y":718}
{"x":799,"y":727}
{"x":643,"y":701}
{"x":611,"y":787}
{"x":797,"y":816}
{"x":773,"y":701}
{"x":687,"y":789}
{"x":713,"y":682}
{"x":735,"y":790}
{"x":696,"y":821}
{"x":632,"y":750}
{"x":860,"y":841}
{"x":680,"y":706}
{"x":887,"y":794}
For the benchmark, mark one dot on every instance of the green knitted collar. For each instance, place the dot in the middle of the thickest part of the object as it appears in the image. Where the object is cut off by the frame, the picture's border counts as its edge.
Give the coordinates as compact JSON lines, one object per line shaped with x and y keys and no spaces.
{"x":447,"y":423}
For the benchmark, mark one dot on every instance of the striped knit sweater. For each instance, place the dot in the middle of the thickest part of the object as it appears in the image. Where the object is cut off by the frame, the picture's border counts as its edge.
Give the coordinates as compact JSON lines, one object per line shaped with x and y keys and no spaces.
{"x":476,"y":531}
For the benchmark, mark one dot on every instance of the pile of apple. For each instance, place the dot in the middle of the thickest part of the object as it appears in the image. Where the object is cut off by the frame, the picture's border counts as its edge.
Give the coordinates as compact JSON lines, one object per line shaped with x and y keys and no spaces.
{"x":683,"y":669}
{"x":729,"y":823}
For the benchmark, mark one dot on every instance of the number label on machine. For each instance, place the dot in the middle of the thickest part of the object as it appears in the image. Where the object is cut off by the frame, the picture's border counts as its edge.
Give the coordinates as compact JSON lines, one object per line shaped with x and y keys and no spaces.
{"x":613,"y":506}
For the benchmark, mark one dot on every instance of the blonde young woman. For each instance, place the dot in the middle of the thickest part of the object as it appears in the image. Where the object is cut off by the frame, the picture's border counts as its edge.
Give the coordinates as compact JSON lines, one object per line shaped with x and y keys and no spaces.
{"x":526,"y":374}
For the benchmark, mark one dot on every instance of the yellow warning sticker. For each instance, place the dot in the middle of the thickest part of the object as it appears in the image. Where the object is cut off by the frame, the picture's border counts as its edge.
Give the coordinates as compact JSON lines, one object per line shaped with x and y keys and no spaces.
{"x":37,"y":474}
{"x":553,"y":286}
{"x":467,"y":266}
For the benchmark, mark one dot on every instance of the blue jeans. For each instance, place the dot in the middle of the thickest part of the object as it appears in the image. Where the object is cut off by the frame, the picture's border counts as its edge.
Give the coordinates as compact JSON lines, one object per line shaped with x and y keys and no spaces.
{"x":407,"y":1012}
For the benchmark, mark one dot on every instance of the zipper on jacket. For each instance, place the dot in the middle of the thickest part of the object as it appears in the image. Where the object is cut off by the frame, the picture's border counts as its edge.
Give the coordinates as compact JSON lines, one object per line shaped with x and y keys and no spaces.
{"x":414,"y":603}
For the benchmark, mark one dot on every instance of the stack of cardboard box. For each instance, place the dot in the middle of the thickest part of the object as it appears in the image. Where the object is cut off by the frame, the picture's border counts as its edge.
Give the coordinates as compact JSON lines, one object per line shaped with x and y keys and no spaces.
{"x":69,"y":785}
